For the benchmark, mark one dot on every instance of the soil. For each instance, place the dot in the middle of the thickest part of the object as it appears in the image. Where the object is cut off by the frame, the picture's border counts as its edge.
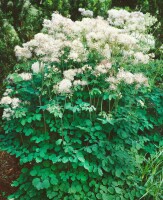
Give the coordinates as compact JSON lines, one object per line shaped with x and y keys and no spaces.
{"x":9,"y":171}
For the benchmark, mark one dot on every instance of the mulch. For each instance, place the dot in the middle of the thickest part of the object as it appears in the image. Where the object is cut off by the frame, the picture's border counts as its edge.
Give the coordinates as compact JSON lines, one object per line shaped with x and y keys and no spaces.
{"x":9,"y":171}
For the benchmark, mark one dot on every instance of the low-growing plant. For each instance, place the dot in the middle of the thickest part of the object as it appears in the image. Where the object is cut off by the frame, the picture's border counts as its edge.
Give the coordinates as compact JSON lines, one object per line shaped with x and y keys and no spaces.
{"x":153,"y":176}
{"x":78,"y":120}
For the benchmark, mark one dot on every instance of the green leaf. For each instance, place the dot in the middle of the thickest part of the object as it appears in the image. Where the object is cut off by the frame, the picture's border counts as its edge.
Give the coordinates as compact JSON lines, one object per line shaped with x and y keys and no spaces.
{"x":65,"y":160}
{"x":100,"y":172}
{"x":28,"y":131}
{"x":15,"y":184}
{"x":37,"y":117}
{"x":33,"y":172}
{"x":118,"y":190}
{"x":23,"y":122}
{"x":118,"y":172}
{"x":88,"y":122}
{"x":38,"y":159}
{"x":86,"y":165}
{"x":111,"y":190}
{"x":53,"y":180}
{"x":80,"y":156}
{"x":99,"y":196}
{"x":46,"y":184}
{"x":24,"y":170}
{"x":37,"y":183}
{"x":58,"y":142}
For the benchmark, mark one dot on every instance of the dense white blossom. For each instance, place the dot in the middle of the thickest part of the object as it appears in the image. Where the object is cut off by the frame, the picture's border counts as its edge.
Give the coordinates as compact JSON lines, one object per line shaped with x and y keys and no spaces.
{"x":64,"y":86}
{"x":26,"y":76}
{"x":141,"y":58}
{"x":7,"y":113}
{"x":22,"y":52}
{"x":70,"y":44}
{"x":86,"y":13}
{"x":37,"y":67}
{"x":128,"y":78}
{"x":91,"y":34}
{"x":102,"y":68}
{"x":15,"y":102}
{"x":77,"y":51}
{"x":79,"y":82}
{"x":135,"y":24}
{"x":70,"y":74}
{"x":6,"y":100}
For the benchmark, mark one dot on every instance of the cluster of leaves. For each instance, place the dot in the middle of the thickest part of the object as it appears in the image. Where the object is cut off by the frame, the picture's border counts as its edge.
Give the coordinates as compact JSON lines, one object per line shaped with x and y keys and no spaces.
{"x":76,"y":151}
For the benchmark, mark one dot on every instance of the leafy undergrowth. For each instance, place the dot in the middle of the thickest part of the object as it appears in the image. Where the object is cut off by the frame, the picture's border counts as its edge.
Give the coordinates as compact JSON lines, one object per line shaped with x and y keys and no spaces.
{"x":9,"y":171}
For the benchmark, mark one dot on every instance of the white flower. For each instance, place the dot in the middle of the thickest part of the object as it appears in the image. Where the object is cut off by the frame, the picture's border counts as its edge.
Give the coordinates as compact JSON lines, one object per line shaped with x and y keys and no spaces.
{"x":7,"y":92}
{"x":6,"y":100}
{"x":37,"y":67}
{"x":15,"y":102}
{"x":22,"y":52}
{"x":111,"y":79}
{"x":141,"y":58}
{"x":7,"y":113}
{"x":141,"y":103}
{"x":79,"y":82}
{"x":81,"y":9}
{"x":64,"y":86}
{"x":70,"y":74}
{"x":85,"y":13}
{"x":126,"y":76}
{"x":25,"y":76}
{"x":100,"y":69}
{"x":140,"y":79}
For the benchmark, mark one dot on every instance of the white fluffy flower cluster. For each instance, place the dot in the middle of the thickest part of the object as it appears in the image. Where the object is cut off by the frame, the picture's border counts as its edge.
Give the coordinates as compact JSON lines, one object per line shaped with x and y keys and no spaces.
{"x":78,"y":52}
{"x":70,"y":74}
{"x":79,"y":82}
{"x":128,"y":78}
{"x":26,"y":76}
{"x":66,"y":84}
{"x":135,"y":24}
{"x":76,"y":40}
{"x":86,"y":13}
{"x":14,"y":102}
{"x":22,"y":52}
{"x":37,"y":67}
{"x":7,"y":113}
{"x":102,"y":68}
{"x":130,"y":21}
{"x":8,"y":101}
{"x":68,"y":43}
{"x":141,"y":58}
